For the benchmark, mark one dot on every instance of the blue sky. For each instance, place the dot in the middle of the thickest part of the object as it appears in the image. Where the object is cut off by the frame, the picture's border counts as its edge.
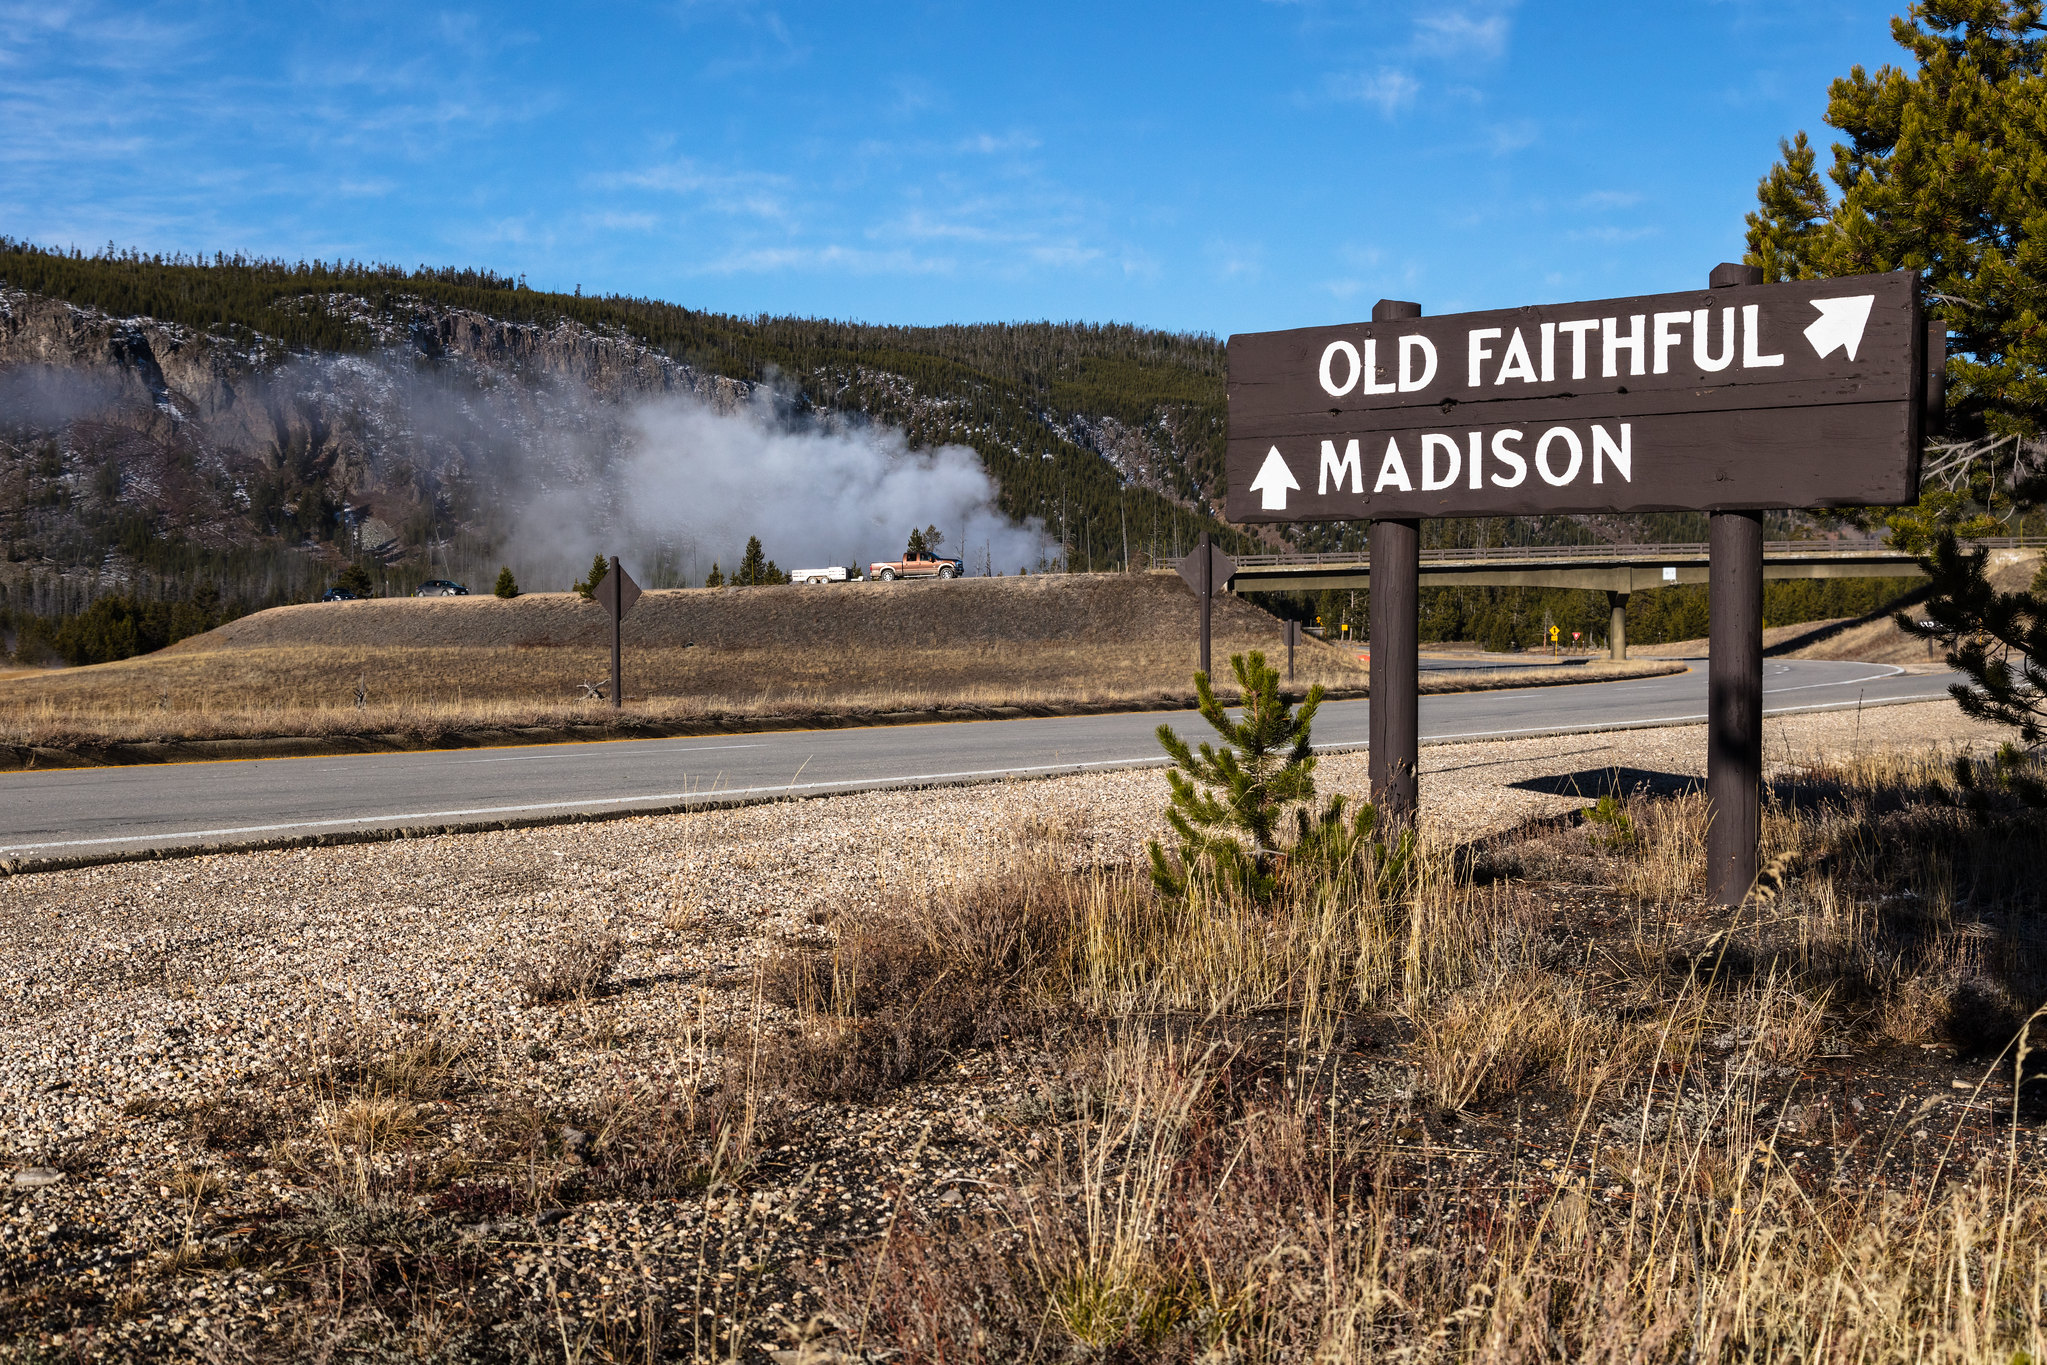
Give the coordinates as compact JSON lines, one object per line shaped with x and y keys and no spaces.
{"x":1219,"y":167}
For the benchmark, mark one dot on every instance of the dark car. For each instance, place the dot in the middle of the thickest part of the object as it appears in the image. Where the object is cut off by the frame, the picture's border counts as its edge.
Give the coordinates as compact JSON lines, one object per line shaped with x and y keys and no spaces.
{"x":339,"y":595}
{"x":441,"y":587}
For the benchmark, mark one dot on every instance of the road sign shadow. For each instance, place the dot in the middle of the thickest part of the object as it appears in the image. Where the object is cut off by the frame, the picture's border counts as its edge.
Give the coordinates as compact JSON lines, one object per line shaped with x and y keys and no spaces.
{"x":1593,"y":783}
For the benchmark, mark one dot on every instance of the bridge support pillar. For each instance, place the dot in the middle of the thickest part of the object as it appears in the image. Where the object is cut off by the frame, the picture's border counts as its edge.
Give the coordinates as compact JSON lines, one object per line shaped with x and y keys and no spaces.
{"x":1617,"y":631}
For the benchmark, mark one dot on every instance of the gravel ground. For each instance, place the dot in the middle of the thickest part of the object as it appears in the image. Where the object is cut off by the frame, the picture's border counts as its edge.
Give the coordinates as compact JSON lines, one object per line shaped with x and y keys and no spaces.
{"x":155,"y":1006}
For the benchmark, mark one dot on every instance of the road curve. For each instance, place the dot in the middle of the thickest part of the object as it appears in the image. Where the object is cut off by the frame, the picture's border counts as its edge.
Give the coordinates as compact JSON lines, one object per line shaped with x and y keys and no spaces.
{"x":113,"y":812}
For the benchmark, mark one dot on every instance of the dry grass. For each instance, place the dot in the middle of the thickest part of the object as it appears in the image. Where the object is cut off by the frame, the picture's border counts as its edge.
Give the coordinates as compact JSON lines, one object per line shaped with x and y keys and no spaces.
{"x":1170,"y":1219}
{"x":575,"y":966}
{"x":1531,"y":1099}
{"x":762,"y":652}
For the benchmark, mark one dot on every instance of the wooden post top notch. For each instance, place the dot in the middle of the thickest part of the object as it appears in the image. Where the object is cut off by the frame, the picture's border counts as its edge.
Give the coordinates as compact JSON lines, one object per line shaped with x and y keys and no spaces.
{"x":1728,"y":274}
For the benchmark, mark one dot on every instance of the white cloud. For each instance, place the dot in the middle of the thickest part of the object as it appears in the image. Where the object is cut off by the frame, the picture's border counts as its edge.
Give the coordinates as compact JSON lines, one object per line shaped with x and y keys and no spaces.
{"x":1463,"y":33}
{"x":1390,"y":89}
{"x":1065,"y":256}
{"x":987,"y":144}
{"x":1235,"y":260}
{"x":1612,"y":236}
{"x":1512,"y":137}
{"x":775,"y":260}
{"x":753,"y":194}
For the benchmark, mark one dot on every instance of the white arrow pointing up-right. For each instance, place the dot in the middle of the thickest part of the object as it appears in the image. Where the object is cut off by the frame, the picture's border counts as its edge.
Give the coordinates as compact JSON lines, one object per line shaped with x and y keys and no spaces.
{"x":1839,"y":324}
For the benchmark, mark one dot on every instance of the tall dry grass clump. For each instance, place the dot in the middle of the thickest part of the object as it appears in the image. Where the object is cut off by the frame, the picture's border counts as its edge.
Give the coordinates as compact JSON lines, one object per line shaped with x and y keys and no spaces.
{"x":1167,"y":1228}
{"x":1219,"y":1177}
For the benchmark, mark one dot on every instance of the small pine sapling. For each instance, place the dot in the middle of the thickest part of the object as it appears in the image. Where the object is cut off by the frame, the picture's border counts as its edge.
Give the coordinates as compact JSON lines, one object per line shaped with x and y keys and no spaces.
{"x":1344,"y":853}
{"x":1229,"y":825}
{"x":507,"y":585}
{"x":1614,"y":829}
{"x":716,"y":577}
{"x":1228,"y":801}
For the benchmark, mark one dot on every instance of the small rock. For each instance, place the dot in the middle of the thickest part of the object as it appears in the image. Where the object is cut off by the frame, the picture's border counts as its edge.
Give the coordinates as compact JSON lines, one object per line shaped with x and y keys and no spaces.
{"x":35,"y":1177}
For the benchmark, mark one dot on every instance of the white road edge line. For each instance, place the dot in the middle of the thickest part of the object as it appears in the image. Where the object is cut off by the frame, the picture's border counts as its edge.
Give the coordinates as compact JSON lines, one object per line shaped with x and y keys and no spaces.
{"x":854,"y":783}
{"x":1845,"y":682}
{"x":709,"y":792}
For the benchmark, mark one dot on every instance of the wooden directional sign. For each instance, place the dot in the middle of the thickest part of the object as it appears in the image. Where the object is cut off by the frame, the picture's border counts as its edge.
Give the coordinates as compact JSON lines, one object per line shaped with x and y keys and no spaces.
{"x":1808,"y":394}
{"x":616,"y":592}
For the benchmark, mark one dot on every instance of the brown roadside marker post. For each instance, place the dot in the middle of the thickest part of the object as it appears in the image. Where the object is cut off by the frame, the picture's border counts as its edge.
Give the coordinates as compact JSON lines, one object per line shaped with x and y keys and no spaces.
{"x":1739,"y":397}
{"x":1204,"y":570}
{"x":616,"y":594}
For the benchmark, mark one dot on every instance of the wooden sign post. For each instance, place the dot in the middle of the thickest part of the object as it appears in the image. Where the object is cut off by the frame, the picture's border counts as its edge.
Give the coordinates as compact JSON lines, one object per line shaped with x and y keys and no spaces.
{"x":1393,"y":757}
{"x":617,"y":592}
{"x":1734,"y":681}
{"x":1204,"y":570}
{"x":1739,"y":397}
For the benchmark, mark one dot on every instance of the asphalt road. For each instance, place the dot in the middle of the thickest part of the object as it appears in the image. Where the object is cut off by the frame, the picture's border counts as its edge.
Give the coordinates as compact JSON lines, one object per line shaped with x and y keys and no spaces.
{"x":93,"y":812}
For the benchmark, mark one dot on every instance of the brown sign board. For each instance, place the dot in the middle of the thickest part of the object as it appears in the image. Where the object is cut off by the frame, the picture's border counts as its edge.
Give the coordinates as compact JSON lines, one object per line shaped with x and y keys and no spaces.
{"x":616,"y":592}
{"x":1803,"y":394}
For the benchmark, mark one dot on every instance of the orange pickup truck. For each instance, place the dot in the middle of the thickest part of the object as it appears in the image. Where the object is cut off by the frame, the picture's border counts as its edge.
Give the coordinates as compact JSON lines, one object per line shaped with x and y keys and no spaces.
{"x":914,"y":566}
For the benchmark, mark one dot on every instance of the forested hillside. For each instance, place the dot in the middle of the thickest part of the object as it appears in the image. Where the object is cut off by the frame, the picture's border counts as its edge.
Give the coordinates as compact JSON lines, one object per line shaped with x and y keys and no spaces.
{"x":1058,"y":410}
{"x":228,"y":433}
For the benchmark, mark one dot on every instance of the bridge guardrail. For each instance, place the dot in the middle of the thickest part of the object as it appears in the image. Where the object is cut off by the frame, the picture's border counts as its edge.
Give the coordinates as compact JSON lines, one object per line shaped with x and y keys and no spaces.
{"x":1538,"y":554}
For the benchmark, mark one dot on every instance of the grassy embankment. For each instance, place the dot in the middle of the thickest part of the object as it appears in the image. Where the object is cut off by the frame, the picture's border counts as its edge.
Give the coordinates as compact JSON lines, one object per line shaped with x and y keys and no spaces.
{"x":431,"y":669}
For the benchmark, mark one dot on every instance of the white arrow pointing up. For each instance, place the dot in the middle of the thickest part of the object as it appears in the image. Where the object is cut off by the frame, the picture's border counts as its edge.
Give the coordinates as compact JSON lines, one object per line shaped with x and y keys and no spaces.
{"x":1273,"y":481}
{"x":1839,"y":324}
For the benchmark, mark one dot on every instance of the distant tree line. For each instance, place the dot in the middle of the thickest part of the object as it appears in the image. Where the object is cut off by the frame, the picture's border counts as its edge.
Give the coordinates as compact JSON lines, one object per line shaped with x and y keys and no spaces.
{"x":1507,"y":619}
{"x":113,"y":627}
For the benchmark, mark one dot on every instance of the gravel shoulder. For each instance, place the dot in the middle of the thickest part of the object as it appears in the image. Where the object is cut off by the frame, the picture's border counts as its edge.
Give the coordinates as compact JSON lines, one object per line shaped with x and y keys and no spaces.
{"x":150,"y":1002}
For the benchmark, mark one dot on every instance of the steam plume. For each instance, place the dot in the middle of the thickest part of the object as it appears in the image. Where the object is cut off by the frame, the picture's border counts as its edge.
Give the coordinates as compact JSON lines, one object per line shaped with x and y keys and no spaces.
{"x":691,"y":483}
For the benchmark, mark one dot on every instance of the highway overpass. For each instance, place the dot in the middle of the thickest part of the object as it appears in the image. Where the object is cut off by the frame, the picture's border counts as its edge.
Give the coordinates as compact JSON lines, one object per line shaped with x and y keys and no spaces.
{"x":1617,"y":570}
